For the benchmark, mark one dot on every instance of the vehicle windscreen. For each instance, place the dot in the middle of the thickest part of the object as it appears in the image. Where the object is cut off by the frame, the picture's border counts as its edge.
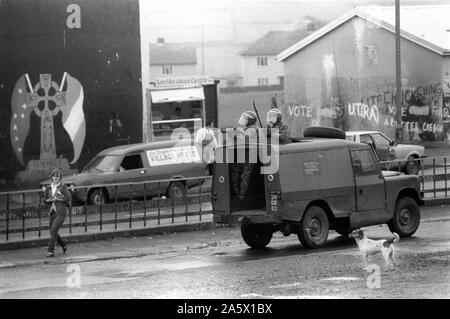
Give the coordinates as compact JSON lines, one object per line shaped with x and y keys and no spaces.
{"x":107,"y":163}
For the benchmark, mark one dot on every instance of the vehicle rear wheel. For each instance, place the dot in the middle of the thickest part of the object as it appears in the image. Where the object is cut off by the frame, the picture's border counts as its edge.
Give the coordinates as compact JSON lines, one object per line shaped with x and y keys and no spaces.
{"x":406,"y":218}
{"x":412,"y":166}
{"x":177,"y":190}
{"x":97,"y":197}
{"x":314,"y":228}
{"x":256,"y":235}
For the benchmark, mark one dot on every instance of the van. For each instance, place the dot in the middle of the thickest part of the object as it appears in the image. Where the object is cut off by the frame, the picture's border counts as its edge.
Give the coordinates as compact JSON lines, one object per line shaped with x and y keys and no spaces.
{"x":143,"y":162}
{"x":321,"y":184}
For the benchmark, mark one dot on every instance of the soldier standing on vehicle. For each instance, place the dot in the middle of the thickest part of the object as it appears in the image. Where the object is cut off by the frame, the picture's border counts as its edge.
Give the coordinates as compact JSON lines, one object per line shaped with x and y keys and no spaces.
{"x":241,"y":174}
{"x":274,"y":123}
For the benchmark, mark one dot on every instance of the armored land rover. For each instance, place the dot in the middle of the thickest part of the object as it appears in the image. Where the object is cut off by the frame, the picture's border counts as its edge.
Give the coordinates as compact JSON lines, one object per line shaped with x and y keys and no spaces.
{"x":321,"y":184}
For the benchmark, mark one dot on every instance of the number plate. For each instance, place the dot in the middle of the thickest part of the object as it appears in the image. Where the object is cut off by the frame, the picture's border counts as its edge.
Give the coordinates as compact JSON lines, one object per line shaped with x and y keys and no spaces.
{"x":274,"y":200}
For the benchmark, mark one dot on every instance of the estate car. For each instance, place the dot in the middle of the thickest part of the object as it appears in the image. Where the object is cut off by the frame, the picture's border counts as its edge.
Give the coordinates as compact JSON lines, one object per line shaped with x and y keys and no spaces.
{"x":110,"y":173}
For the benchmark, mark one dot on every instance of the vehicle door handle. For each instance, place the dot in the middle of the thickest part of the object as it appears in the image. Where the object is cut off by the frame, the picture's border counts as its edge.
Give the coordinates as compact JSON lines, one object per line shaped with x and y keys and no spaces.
{"x":142,"y":172}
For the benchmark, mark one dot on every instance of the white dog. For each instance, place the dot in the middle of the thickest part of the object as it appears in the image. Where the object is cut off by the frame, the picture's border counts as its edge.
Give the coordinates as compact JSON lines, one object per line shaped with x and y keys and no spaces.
{"x":369,"y":247}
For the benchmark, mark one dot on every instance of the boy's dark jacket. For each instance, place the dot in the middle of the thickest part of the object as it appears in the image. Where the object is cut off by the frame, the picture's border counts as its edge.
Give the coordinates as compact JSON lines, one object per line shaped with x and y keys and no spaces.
{"x":63,"y":198}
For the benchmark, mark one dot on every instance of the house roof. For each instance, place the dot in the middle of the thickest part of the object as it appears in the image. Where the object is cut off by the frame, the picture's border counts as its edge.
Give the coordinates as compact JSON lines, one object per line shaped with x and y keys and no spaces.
{"x":172,"y":53}
{"x":428,"y":26}
{"x":274,"y":42}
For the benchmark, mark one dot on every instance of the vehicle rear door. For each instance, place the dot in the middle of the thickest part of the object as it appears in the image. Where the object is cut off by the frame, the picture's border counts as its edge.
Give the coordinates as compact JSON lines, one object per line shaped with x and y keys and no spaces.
{"x":220,"y":190}
{"x":369,"y":187}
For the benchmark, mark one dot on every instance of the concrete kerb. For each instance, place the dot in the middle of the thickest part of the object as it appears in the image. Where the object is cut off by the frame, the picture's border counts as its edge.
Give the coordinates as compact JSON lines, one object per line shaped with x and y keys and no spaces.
{"x":78,"y":238}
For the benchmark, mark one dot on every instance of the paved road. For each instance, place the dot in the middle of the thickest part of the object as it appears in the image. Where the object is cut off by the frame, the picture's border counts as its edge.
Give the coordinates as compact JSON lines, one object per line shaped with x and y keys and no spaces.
{"x":217,"y":264}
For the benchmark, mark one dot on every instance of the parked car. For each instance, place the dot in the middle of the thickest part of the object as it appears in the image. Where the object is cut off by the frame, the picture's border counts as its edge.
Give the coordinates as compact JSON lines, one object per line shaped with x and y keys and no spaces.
{"x":321,"y":184}
{"x":138,"y":163}
{"x":387,"y":150}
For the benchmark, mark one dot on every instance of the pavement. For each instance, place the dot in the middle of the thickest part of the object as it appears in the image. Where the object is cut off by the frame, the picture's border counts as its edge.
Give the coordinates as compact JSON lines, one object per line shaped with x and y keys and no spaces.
{"x":171,"y":242}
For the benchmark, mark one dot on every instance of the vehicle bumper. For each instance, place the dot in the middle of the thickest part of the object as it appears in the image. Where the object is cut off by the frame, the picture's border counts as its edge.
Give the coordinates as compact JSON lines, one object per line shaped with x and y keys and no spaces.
{"x":252,"y":216}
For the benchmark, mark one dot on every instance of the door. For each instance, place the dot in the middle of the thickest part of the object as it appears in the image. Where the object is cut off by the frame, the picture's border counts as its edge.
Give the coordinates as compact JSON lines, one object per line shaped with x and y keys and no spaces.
{"x":131,"y":170}
{"x":369,"y":188}
{"x":382,"y":146}
{"x":221,"y":193}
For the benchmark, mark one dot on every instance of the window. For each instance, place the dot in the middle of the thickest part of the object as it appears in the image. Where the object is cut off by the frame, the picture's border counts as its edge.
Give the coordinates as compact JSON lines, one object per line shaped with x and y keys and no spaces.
{"x":261,"y":60}
{"x":263,"y":81}
{"x":364,"y":163}
{"x":132,"y":162}
{"x":381,"y":141}
{"x":167,"y":69}
{"x":365,"y":138}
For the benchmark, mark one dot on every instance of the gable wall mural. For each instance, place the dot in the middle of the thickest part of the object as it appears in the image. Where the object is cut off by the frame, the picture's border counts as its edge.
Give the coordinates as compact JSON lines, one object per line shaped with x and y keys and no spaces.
{"x":70,"y":72}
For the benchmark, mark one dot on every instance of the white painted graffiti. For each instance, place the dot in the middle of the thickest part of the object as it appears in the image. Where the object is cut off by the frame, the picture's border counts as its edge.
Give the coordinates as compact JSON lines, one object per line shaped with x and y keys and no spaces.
{"x":419,"y":110}
{"x":310,"y":112}
{"x":364,"y":111}
{"x":300,"y":111}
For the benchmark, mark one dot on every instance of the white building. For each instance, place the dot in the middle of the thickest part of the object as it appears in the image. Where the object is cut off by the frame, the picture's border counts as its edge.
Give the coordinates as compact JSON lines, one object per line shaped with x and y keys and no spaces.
{"x":259,"y":64}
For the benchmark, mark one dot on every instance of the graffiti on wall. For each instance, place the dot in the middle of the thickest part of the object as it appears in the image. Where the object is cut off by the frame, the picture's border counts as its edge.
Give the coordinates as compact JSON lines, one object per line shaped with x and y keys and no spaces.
{"x":422,"y":113}
{"x":315,"y":116}
{"x":46,"y":99}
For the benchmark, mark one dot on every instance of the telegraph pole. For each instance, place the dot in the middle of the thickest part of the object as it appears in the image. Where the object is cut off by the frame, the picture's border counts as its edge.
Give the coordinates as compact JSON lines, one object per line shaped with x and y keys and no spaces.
{"x":398,"y":75}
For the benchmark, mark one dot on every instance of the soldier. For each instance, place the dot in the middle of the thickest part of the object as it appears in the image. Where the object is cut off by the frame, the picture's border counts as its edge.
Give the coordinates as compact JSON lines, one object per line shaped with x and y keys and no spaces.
{"x":242,"y":171}
{"x":274,"y":121}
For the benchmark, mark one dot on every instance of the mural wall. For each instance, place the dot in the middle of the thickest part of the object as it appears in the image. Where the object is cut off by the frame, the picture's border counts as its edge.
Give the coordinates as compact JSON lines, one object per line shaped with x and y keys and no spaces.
{"x":70,"y":83}
{"x":346,"y":79}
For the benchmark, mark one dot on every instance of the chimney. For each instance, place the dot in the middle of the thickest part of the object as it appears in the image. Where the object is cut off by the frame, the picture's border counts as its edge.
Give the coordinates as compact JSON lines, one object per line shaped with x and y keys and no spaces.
{"x":160,"y":40}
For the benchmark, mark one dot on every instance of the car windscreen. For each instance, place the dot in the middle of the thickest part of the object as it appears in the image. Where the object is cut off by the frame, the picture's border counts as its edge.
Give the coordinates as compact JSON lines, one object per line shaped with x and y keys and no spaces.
{"x":106,"y":163}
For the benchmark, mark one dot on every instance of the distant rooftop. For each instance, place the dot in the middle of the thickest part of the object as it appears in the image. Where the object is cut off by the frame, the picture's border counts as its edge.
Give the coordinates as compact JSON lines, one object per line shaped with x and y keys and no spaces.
{"x":428,"y":26}
{"x":274,"y":42}
{"x":172,"y":53}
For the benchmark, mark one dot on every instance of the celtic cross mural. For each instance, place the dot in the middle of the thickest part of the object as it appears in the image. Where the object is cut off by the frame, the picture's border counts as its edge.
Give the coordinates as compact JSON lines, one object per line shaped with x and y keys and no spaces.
{"x":46,"y":99}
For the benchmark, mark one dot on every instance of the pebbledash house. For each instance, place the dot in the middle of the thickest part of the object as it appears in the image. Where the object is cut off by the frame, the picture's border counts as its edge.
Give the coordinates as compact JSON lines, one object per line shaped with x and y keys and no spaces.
{"x":343,"y":75}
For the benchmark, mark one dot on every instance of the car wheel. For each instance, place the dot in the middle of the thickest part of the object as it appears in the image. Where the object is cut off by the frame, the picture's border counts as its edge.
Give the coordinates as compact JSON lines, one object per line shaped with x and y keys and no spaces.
{"x":256,"y":235}
{"x":406,"y":218}
{"x":177,"y":190}
{"x":314,"y":228}
{"x":412,"y":166}
{"x":325,"y":132}
{"x":97,"y":197}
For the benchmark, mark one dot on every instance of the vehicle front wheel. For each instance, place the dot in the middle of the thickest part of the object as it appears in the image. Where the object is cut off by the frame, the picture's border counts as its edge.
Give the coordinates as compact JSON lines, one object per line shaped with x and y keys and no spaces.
{"x":97,"y":197}
{"x":177,"y":190}
{"x":314,"y":228}
{"x":406,"y":218}
{"x":256,"y":235}
{"x":412,"y":166}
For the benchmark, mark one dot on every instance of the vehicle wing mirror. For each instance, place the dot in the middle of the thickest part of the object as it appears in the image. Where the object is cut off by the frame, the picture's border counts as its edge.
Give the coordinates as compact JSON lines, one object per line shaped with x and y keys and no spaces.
{"x":392,"y":143}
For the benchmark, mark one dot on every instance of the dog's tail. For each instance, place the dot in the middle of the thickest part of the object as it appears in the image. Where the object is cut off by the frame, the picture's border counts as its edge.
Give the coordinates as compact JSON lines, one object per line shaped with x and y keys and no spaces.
{"x":397,"y":238}
{"x":388,"y":242}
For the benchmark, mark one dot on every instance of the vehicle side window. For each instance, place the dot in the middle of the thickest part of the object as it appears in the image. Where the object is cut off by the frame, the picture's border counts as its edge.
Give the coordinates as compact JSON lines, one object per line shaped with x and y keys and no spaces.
{"x":363,"y":162}
{"x":365,"y":138}
{"x":132,"y":162}
{"x":380,"y":140}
